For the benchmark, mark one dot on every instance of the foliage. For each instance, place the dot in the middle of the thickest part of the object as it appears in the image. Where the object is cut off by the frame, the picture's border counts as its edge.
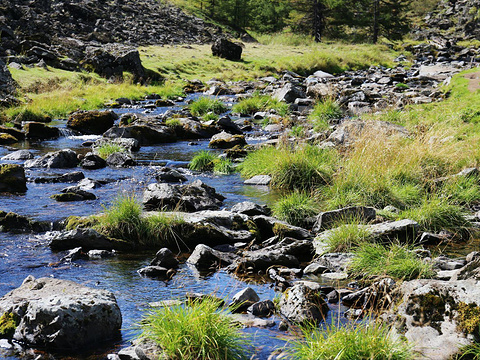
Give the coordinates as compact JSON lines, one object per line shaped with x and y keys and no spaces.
{"x":468,"y":318}
{"x":198,"y":331}
{"x":324,"y":112}
{"x":109,"y":148}
{"x":346,"y":237}
{"x":204,"y":105}
{"x":394,"y":260}
{"x":302,"y":168}
{"x":257,"y":102}
{"x":223,"y":166}
{"x":294,"y":208}
{"x":470,"y":352}
{"x":372,"y":341}
{"x":203,"y":161}
{"x":173,"y":123}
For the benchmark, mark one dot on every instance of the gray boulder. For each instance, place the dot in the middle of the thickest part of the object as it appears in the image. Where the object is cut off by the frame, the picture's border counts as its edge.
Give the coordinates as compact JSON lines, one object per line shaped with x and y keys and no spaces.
{"x":262,"y":180}
{"x":59,"y":159}
{"x":7,"y":84}
{"x":18,"y":155}
{"x":119,"y":160}
{"x":206,"y":258}
{"x":270,"y":226}
{"x":225,"y":140}
{"x":165,"y":258}
{"x":244,"y":299}
{"x":301,"y":305}
{"x":250,"y":208}
{"x":262,"y":309}
{"x":145,"y":134}
{"x":166,"y":174}
{"x":289,"y":93}
{"x":92,"y":162}
{"x":88,"y":239}
{"x":328,"y":219}
{"x":62,"y":315}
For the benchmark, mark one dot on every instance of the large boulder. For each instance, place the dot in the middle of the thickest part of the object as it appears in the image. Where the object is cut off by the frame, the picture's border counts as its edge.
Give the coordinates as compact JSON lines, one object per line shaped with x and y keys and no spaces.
{"x":289,"y":93}
{"x":40,"y":131}
{"x":12,"y":178}
{"x":326,"y":220}
{"x":225,"y":140}
{"x":191,"y":197}
{"x":87,"y":239}
{"x":18,"y":155}
{"x":16,"y":223}
{"x":437,"y":317}
{"x":206,"y":258}
{"x":303,"y":305}
{"x":66,"y":158}
{"x":91,"y":122}
{"x":61,"y":315}
{"x":227,"y":50}
{"x":145,"y":134}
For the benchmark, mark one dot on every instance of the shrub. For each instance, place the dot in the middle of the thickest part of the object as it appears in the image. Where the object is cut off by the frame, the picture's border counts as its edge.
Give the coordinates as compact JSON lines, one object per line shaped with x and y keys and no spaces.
{"x":204,"y":105}
{"x":396,"y":261}
{"x":353,"y":342}
{"x":324,"y":112}
{"x":435,"y":214}
{"x":302,"y":168}
{"x":295,"y":208}
{"x":203,"y":161}
{"x":346,"y":236}
{"x":107,"y":149}
{"x":199,"y":331}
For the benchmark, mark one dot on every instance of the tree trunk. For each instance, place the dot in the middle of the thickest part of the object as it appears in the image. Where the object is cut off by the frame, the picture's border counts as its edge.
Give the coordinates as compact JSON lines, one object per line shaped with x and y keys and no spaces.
{"x":318,"y":17}
{"x":376,"y":14}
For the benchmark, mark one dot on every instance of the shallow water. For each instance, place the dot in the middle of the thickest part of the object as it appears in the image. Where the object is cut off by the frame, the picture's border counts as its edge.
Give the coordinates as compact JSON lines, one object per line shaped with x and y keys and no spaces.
{"x":23,"y":255}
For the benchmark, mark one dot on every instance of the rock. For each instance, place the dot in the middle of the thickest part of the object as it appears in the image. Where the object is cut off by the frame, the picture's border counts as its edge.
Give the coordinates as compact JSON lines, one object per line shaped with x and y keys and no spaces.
{"x":226,"y":124}
{"x":74,"y":254}
{"x":434,"y":315}
{"x":62,"y":315}
{"x":244,"y":299}
{"x":249,"y":321}
{"x":225,"y":140}
{"x":227,"y":50}
{"x":100,"y":254}
{"x":158,"y":272}
{"x":91,"y":122}
{"x":40,"y":131}
{"x":7,"y":139}
{"x":129,"y":144}
{"x":402,"y":230}
{"x":191,"y":197}
{"x":328,"y":219}
{"x":262,"y":309}
{"x":18,"y":155}
{"x":335,"y":262}
{"x":12,"y":178}
{"x":469,"y":271}
{"x":445,"y":263}
{"x":322,"y":75}
{"x":165,"y":258}
{"x":194,"y":129}
{"x":269,"y":226}
{"x":302,"y":305}
{"x":59,"y":159}
{"x":120,"y":159}
{"x":315,"y":269}
{"x":74,"y":195}
{"x":166,"y":174}
{"x":145,"y":134}
{"x":258,"y":180}
{"x":88,"y":239}
{"x":333,"y":297}
{"x":205,"y":258}
{"x":141,"y":349}
{"x":12,"y":222}
{"x":65,"y":178}
{"x":289,"y":93}
{"x":92,"y":162}
{"x":7,"y":84}
{"x":250,"y":208}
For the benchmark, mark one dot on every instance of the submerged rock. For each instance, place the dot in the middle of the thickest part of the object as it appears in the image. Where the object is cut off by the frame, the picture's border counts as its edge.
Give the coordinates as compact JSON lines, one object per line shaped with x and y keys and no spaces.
{"x":62,"y":315}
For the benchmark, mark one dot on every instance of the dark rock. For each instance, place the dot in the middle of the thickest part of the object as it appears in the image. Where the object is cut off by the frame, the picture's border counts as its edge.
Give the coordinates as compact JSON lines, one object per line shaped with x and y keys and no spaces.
{"x":333,"y":297}
{"x":166,"y":174}
{"x":74,"y":254}
{"x":65,"y":178}
{"x":302,"y":305}
{"x":120,"y":159}
{"x":12,"y":222}
{"x":250,"y":208}
{"x":328,"y":219}
{"x":205,"y":258}
{"x":129,"y":144}
{"x":78,"y":195}
{"x":315,"y":269}
{"x":227,"y":50}
{"x":92,"y":162}
{"x":7,"y":139}
{"x":165,"y":258}
{"x":12,"y":178}
{"x":17,"y":134}
{"x":100,"y":254}
{"x":7,"y":84}
{"x":269,"y":226}
{"x":262,"y":309}
{"x":62,"y":315}
{"x":226,"y":124}
{"x":40,"y":131}
{"x":244,"y":299}
{"x":144,"y":134}
{"x":59,"y":159}
{"x":156,"y":272}
{"x":88,"y":239}
{"x":91,"y":122}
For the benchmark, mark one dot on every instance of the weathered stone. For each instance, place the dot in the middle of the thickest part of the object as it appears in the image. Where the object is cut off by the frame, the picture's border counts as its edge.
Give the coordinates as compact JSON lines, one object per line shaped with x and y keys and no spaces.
{"x":269,"y":226}
{"x":258,"y":180}
{"x":88,"y":239}
{"x":158,"y":272}
{"x":62,"y":315}
{"x":12,"y":178}
{"x":59,"y":159}
{"x":205,"y":258}
{"x":73,"y":194}
{"x":289,"y":93}
{"x":165,"y":258}
{"x":262,"y":308}
{"x":91,"y":122}
{"x":18,"y":155}
{"x":244,"y":299}
{"x":40,"y":131}
{"x":145,"y":134}
{"x":16,"y":223}
{"x":328,"y":219}
{"x":120,"y":159}
{"x":166,"y":174}
{"x":227,"y":50}
{"x":250,"y":208}
{"x":225,"y":140}
{"x":129,"y":144}
{"x":92,"y":162}
{"x":302,"y":305}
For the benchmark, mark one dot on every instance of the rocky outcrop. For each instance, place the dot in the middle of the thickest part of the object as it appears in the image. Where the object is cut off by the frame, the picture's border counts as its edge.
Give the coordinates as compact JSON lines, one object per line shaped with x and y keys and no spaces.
{"x":62,"y":315}
{"x":7,"y":84}
{"x":227,"y":50}
{"x":12,"y":178}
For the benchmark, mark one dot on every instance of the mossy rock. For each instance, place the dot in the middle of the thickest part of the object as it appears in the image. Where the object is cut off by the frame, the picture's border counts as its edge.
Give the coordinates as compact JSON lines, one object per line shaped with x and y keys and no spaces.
{"x":91,"y":122}
{"x":7,"y":139}
{"x":225,"y":140}
{"x":468,"y":320}
{"x":67,"y":197}
{"x":12,"y":178}
{"x":8,"y":324}
{"x":18,"y":134}
{"x":78,"y":222}
{"x":37,"y":130}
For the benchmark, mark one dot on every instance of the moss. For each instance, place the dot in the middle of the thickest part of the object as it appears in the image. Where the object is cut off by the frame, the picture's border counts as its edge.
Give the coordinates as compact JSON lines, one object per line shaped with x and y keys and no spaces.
{"x":280,"y":229}
{"x":428,"y":310}
{"x":6,"y":139}
{"x":8,"y":324}
{"x":12,"y":178}
{"x":468,"y":319}
{"x":78,"y":222}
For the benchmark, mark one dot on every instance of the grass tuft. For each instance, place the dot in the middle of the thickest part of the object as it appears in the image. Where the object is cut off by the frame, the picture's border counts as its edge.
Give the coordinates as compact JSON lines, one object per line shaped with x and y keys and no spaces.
{"x":372,"y":341}
{"x":203,"y":161}
{"x":107,"y":149}
{"x":346,"y":237}
{"x":199,"y":331}
{"x":257,"y":102}
{"x":204,"y":105}
{"x":294,"y":208}
{"x":324,"y":112}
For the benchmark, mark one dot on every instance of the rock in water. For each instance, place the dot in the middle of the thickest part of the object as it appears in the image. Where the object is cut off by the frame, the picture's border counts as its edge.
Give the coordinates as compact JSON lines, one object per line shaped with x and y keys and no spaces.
{"x":12,"y":178}
{"x":227,"y":50}
{"x":91,"y":122}
{"x":62,"y":315}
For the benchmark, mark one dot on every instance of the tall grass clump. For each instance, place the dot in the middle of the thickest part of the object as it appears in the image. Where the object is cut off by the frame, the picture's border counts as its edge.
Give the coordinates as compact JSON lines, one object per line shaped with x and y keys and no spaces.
{"x":223,"y":166}
{"x":324,"y":112}
{"x":371,"y":341}
{"x":346,"y":237}
{"x":257,"y":102}
{"x":394,"y":260}
{"x":294,"y":208}
{"x":197,"y":332}
{"x":462,"y":190}
{"x":107,"y":149}
{"x":204,"y":105}
{"x":436,"y":213}
{"x":303,"y":168}
{"x":203,"y":161}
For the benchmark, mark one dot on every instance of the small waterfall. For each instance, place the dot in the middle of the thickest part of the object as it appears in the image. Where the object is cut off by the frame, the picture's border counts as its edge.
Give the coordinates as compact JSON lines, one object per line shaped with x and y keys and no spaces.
{"x":65,"y":132}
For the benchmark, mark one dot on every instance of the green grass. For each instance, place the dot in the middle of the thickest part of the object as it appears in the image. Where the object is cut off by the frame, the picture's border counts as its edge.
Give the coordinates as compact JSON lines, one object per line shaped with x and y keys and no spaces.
{"x":324,"y":112}
{"x":257,"y":102}
{"x":173,"y":123}
{"x":199,"y":331}
{"x":107,"y":149}
{"x":394,"y":260}
{"x":346,"y":237}
{"x":469,"y":352}
{"x":435,"y":214}
{"x":124,"y":220}
{"x":372,"y":341}
{"x":203,"y":161}
{"x":223,"y":167}
{"x":295,"y":207}
{"x":204,"y":105}
{"x":461,"y":190}
{"x":303,"y":168}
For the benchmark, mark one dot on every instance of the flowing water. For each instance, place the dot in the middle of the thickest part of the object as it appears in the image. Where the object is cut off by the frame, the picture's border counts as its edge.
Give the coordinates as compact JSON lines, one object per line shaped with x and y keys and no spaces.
{"x":23,"y":255}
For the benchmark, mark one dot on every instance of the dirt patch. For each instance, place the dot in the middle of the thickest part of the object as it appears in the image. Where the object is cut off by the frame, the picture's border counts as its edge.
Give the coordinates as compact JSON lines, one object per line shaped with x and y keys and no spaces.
{"x":474,"y":81}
